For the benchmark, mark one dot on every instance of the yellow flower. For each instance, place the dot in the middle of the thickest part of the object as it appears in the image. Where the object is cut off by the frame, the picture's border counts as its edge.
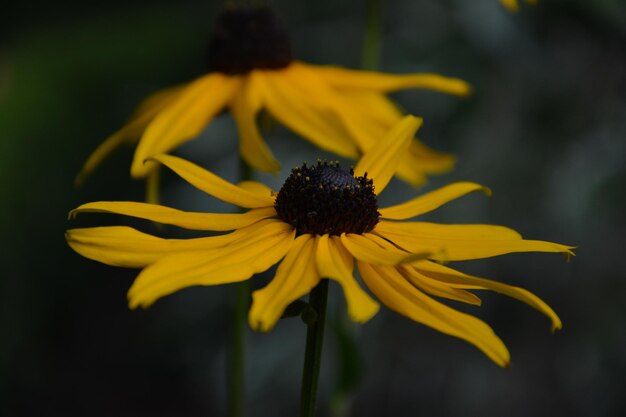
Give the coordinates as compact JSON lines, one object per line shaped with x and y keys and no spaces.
{"x":319,"y":223}
{"x":513,"y":5}
{"x":340,"y":110}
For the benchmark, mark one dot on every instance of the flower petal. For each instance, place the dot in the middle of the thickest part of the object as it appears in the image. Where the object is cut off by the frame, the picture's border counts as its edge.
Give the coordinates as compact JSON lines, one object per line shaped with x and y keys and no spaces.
{"x":431,"y":201}
{"x":237,"y":261}
{"x":381,"y":161}
{"x":333,"y":261}
{"x":126,"y":247}
{"x":296,"y":276}
{"x":377,"y":81}
{"x":185,"y":117}
{"x":167,"y":215}
{"x":364,"y":248}
{"x":246,"y":104}
{"x":256,"y":188}
{"x":298,"y":112}
{"x":459,"y":242}
{"x":131,"y":131}
{"x":214,"y":185}
{"x":437,"y":288}
{"x":399,"y":295}
{"x":451,"y":276}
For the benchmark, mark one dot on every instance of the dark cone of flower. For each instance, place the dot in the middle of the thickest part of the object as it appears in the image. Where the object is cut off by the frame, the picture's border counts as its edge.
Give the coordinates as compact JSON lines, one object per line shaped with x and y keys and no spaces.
{"x":324,"y":199}
{"x":248,"y":38}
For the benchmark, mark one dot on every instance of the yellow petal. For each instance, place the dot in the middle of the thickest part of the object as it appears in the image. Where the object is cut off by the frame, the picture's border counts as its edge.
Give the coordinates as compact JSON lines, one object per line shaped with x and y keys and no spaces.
{"x":131,"y":132}
{"x":237,"y":261}
{"x":298,"y":112}
{"x":431,"y":201}
{"x":246,"y":105}
{"x":422,"y":160}
{"x":214,"y":185}
{"x":459,"y":242}
{"x":185,"y":117}
{"x":377,"y":81}
{"x":437,"y":288}
{"x":364,"y":248}
{"x":256,"y":188}
{"x":399,"y":295}
{"x":333,"y":261}
{"x":126,"y":247}
{"x":381,"y":161}
{"x":167,"y":215}
{"x":296,"y":276}
{"x":451,"y":276}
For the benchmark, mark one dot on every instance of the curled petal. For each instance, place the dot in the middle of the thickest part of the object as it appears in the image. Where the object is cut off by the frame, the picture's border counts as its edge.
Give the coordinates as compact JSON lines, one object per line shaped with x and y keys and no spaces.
{"x":451,"y":276}
{"x":431,"y":201}
{"x":237,"y":261}
{"x":213,"y":185}
{"x":399,"y":295}
{"x":296,"y":276}
{"x":185,"y":117}
{"x":333,"y":261}
{"x":381,"y":161}
{"x":376,"y":81}
{"x":167,"y":215}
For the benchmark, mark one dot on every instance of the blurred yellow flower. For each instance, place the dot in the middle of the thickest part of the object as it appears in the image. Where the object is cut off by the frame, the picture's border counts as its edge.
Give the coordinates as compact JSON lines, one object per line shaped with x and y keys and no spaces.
{"x":513,"y":5}
{"x":319,"y":223}
{"x":339,"y":110}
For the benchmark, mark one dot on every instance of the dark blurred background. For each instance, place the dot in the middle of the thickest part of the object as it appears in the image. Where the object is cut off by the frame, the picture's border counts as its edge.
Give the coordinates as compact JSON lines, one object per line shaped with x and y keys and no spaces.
{"x":545,"y":130}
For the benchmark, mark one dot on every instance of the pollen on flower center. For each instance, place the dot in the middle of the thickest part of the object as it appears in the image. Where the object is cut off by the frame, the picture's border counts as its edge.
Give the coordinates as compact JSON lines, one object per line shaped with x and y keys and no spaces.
{"x":248,"y":38}
{"x":324,"y":199}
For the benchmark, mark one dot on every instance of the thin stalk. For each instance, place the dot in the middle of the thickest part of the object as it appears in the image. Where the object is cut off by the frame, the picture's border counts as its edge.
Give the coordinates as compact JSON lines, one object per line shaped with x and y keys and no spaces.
{"x":313,"y":353}
{"x":153,"y":184}
{"x":370,"y":55}
{"x":238,"y":337}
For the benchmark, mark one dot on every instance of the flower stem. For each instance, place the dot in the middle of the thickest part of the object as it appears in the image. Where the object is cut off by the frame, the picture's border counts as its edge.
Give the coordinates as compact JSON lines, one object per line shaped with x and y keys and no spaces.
{"x":370,"y":55}
{"x":238,"y":336}
{"x":237,"y":353}
{"x":153,"y":183}
{"x":313,"y":352}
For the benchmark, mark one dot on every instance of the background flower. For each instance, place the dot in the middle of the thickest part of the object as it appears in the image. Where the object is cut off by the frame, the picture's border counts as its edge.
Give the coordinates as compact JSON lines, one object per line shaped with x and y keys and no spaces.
{"x":544,"y":129}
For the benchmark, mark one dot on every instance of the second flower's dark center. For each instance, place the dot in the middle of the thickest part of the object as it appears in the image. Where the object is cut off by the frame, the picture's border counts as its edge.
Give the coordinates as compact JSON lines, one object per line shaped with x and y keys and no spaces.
{"x":324,"y":199}
{"x":248,"y":38}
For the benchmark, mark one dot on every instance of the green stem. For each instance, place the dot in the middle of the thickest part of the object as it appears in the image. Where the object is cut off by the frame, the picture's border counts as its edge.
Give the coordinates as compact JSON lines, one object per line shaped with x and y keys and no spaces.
{"x":238,"y":336}
{"x":370,"y":55}
{"x":153,"y":183}
{"x":313,"y":352}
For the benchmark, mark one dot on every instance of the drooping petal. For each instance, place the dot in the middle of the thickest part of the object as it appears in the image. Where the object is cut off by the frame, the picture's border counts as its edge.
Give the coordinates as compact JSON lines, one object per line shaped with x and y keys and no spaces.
{"x":437,"y":288}
{"x":167,"y":215}
{"x":256,"y":188}
{"x":399,"y":295}
{"x":245,"y":107}
{"x":377,"y":81}
{"x":431,"y":201}
{"x":364,"y":248}
{"x":126,"y":247}
{"x":296,"y":276}
{"x":185,"y":117}
{"x":451,"y":276}
{"x":459,"y":242}
{"x":511,"y":5}
{"x":237,"y":261}
{"x":214,"y":185}
{"x":298,"y":112}
{"x":333,"y":261}
{"x":131,"y":131}
{"x":381,"y":161}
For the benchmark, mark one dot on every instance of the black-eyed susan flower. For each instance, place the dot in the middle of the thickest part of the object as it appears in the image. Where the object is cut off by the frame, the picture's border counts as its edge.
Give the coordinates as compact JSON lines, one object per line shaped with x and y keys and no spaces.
{"x":321,"y":221}
{"x":513,"y":5}
{"x":252,"y":69}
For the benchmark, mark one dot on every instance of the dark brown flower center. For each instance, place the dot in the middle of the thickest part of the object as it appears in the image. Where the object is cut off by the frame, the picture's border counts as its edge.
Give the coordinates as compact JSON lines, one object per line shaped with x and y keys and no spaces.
{"x":324,"y":199}
{"x":247,"y":38}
